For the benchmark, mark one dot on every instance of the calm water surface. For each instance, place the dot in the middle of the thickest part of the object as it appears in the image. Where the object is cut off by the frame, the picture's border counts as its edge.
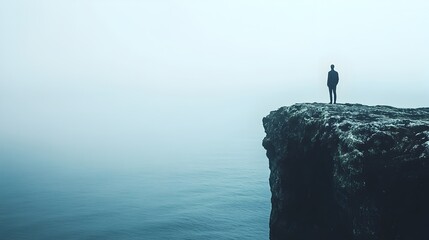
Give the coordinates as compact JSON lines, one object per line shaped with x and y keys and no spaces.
{"x":213,"y":194}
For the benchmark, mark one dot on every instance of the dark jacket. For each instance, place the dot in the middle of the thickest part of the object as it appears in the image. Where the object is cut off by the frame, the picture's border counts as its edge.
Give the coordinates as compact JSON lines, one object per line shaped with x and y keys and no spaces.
{"x":333,"y":78}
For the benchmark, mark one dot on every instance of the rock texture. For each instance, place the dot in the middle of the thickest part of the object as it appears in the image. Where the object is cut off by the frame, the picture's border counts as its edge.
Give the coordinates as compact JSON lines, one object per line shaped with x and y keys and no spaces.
{"x":348,"y":171}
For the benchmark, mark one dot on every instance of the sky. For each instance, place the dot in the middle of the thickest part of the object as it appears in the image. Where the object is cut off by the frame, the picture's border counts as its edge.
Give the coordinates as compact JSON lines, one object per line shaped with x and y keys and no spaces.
{"x":113,"y":72}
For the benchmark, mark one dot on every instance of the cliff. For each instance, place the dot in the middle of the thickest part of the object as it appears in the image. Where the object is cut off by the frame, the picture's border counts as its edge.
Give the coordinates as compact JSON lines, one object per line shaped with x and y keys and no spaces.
{"x":348,"y":171}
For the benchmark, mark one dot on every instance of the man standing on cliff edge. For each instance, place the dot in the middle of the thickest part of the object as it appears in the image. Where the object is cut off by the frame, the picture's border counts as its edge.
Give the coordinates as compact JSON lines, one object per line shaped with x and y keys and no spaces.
{"x":332,"y":84}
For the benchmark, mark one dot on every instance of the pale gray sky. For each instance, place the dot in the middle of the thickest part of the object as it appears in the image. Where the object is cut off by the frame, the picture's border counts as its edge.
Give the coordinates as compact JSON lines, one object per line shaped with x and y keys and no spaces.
{"x":106,"y":65}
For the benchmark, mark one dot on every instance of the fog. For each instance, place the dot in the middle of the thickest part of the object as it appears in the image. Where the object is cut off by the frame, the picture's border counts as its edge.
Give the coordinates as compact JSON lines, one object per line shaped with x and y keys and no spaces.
{"x":150,"y":80}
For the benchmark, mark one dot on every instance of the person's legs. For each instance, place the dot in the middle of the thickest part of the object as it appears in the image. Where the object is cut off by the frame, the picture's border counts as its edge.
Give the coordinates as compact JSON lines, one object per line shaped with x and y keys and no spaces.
{"x":330,"y":95}
{"x":334,"y":89}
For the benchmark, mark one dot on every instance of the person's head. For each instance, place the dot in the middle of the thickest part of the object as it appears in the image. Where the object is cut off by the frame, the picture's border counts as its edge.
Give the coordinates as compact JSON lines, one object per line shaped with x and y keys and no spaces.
{"x":332,"y":66}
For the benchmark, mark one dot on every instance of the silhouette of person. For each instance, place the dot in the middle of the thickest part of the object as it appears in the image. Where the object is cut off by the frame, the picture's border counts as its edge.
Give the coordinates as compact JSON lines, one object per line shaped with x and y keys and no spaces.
{"x":332,"y":84}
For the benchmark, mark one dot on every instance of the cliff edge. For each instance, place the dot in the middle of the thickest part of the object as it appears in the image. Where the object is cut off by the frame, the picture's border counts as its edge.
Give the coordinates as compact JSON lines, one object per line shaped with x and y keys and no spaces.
{"x":348,"y":171}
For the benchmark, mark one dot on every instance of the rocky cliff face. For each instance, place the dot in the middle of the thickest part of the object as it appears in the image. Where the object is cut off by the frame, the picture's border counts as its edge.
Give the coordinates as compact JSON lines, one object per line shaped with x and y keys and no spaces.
{"x":348,"y":171}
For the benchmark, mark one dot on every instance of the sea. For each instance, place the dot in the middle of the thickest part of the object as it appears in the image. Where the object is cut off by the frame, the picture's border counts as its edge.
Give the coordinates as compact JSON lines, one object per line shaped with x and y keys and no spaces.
{"x":150,"y":190}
